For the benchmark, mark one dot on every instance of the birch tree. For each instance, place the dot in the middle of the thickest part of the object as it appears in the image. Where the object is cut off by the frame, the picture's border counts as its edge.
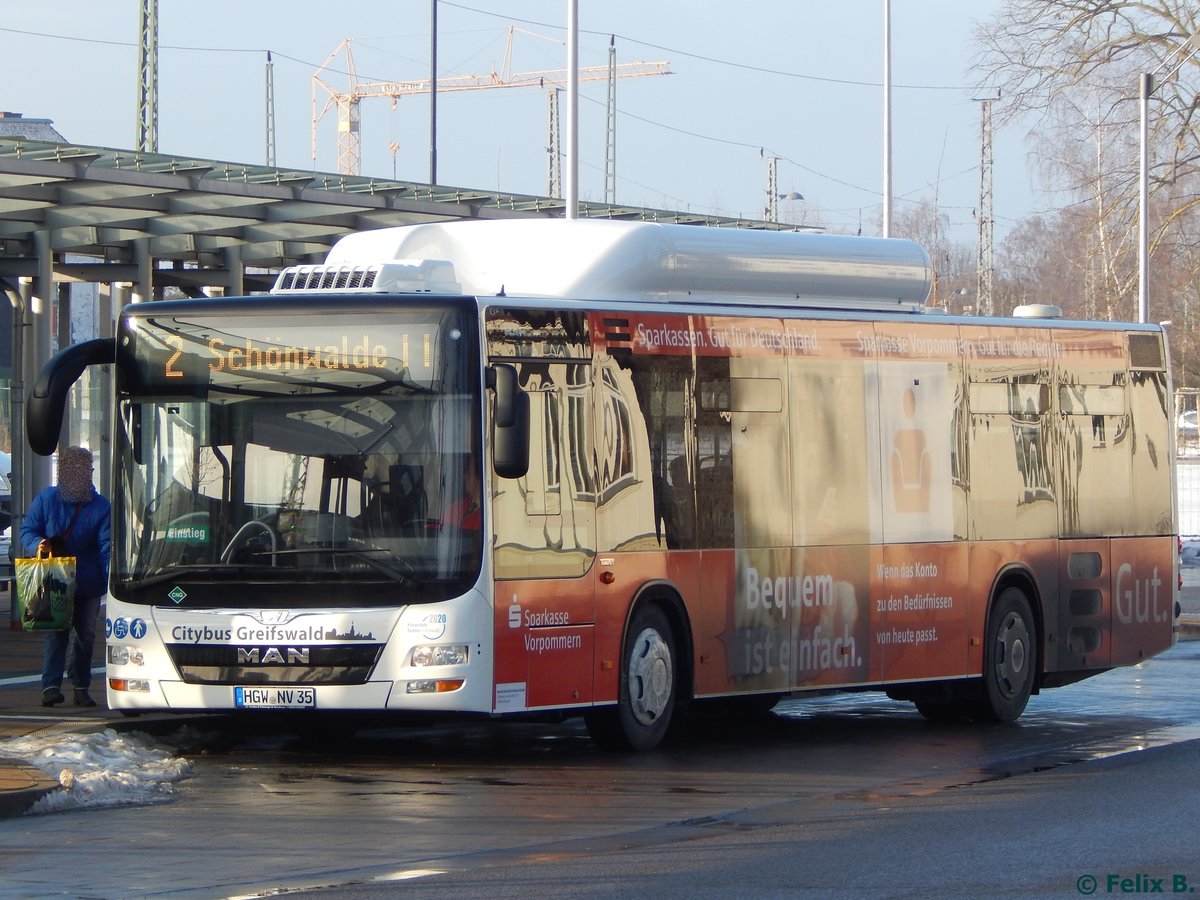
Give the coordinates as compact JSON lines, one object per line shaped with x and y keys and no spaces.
{"x":1075,"y":67}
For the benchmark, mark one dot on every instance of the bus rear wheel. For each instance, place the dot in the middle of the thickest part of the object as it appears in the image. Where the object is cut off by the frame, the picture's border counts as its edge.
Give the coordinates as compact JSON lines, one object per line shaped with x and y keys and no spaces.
{"x":1010,"y":659}
{"x":646,"y":694}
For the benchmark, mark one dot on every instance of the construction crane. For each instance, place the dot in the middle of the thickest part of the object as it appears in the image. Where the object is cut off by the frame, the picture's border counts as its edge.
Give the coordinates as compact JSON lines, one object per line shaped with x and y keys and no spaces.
{"x":346,"y":102}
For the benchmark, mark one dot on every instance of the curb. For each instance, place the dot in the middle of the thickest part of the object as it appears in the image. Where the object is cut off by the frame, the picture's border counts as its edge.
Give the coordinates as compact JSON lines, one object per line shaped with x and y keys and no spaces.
{"x":23,"y":787}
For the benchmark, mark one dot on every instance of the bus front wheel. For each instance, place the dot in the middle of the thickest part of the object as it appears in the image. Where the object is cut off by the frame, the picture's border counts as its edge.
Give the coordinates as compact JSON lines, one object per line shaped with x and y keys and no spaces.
{"x":646,"y":694}
{"x":1010,"y":659}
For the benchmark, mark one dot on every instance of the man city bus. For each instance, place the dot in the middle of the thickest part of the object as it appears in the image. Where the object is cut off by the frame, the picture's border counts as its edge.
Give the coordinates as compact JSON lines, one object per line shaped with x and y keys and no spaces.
{"x":715,"y":463}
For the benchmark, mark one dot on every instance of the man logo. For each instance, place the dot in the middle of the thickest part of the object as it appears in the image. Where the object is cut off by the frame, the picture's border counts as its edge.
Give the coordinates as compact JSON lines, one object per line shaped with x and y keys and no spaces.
{"x":271,"y":656}
{"x":273,"y":616}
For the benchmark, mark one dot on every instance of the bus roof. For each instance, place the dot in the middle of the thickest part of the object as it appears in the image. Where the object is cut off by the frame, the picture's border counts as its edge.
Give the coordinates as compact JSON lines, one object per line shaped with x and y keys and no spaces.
{"x":587,"y":259}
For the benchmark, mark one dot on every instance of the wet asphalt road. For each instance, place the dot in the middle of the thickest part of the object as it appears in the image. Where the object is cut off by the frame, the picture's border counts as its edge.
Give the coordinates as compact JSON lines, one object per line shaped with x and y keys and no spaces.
{"x":849,"y":795}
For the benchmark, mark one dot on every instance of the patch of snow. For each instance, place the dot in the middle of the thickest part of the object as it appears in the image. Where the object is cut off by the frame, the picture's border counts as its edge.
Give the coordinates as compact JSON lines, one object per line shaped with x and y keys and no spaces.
{"x":99,"y":770}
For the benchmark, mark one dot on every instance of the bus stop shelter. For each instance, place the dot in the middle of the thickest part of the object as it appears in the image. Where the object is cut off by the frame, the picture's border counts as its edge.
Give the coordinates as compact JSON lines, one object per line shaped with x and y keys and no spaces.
{"x":105,"y":227}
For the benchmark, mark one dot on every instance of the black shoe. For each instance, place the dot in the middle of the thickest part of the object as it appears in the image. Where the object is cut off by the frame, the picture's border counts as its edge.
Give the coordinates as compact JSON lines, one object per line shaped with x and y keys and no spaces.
{"x":52,"y":696}
{"x":83,"y":698}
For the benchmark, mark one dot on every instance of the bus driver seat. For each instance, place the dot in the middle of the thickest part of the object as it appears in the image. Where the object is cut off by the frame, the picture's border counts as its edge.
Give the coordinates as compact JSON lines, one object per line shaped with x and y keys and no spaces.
{"x":408,"y":505}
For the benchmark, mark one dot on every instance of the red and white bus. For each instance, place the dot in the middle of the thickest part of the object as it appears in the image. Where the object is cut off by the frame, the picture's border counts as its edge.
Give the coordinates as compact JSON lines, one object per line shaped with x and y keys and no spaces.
{"x":715,"y":463}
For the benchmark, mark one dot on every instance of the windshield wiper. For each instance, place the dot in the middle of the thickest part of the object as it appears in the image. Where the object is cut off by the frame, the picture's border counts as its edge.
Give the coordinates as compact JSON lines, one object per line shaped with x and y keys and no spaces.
{"x":182,"y":570}
{"x":391,"y":571}
{"x":365,"y":554}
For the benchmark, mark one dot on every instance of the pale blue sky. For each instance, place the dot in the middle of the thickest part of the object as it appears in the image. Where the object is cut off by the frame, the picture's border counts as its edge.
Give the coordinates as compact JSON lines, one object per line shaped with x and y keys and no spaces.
{"x":799,"y":78}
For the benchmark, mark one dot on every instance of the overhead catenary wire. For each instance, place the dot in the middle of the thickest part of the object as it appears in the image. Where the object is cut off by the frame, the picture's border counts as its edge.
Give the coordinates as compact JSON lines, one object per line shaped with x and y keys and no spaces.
{"x":750,"y":67}
{"x":749,"y":145}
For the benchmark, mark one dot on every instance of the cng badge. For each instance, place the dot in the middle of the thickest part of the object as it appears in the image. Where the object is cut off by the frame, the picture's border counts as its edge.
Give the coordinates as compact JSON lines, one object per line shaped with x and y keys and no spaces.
{"x":177,"y":594}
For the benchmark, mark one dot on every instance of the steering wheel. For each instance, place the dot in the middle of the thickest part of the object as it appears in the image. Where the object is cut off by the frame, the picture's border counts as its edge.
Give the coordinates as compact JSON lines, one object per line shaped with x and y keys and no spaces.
{"x":242,"y":537}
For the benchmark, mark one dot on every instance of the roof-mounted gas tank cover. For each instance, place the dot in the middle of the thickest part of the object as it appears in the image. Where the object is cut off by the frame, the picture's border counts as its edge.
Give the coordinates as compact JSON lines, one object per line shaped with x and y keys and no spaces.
{"x":1038,"y":311}
{"x":401,"y":276}
{"x":599,"y":260}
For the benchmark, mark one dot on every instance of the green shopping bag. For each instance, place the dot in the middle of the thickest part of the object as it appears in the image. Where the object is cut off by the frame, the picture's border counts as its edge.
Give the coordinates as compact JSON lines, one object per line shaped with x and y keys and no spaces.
{"x":46,"y":592}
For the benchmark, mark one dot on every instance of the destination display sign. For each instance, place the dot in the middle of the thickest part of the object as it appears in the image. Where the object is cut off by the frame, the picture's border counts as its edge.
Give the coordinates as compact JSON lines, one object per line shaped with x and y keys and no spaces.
{"x":320,"y":350}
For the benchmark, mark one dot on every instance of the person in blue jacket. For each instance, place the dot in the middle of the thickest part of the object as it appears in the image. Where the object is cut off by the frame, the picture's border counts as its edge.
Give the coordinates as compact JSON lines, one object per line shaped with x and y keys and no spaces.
{"x":72,"y":519}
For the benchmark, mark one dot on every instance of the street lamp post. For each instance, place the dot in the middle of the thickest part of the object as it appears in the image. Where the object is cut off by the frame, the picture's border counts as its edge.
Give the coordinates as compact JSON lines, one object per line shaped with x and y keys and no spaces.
{"x":1146,"y":82}
{"x":1146,"y":87}
{"x":572,"y":193}
{"x":887,"y":118}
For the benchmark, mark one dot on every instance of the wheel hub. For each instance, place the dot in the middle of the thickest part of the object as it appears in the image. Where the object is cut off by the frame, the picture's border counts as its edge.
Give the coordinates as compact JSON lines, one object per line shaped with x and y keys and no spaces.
{"x":650,"y":686}
{"x":1012,"y":641}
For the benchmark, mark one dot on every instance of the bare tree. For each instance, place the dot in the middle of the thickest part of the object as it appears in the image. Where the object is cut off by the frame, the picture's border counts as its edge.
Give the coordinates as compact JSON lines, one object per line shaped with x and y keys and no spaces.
{"x":923,"y":222}
{"x":1049,"y":57}
{"x":1076,"y":65}
{"x":1035,"y":50}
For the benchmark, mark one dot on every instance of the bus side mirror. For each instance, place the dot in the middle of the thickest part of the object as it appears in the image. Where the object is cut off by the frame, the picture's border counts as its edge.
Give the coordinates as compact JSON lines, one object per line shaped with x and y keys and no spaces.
{"x":510,"y":422}
{"x":46,"y":402}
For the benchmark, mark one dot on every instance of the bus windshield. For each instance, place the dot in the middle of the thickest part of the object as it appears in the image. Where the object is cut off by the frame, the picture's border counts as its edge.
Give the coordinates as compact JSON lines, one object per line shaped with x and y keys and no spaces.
{"x":314,"y":445}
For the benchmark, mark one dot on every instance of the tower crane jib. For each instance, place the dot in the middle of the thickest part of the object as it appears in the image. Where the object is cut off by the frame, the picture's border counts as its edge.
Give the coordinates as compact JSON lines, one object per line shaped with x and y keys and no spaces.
{"x":347,"y":101}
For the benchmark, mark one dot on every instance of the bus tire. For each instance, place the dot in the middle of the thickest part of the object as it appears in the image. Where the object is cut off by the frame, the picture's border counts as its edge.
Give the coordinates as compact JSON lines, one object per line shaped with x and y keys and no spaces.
{"x":1010,"y":659}
{"x":647,"y":688}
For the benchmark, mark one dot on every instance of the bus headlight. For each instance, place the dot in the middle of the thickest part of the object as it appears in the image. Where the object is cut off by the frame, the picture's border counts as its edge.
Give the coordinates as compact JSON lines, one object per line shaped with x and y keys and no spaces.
{"x":439,"y":655}
{"x":125,"y":656}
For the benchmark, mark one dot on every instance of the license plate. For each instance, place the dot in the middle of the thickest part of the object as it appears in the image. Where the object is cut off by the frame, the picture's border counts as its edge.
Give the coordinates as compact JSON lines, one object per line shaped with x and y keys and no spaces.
{"x":274,"y":698}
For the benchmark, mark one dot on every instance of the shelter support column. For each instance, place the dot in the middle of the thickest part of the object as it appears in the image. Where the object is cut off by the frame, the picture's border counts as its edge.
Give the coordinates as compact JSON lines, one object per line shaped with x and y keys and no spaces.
{"x":40,"y":316}
{"x":143,"y":288}
{"x":63,"y":337}
{"x":103,"y":390}
{"x":235,"y":282}
{"x":16,"y":408}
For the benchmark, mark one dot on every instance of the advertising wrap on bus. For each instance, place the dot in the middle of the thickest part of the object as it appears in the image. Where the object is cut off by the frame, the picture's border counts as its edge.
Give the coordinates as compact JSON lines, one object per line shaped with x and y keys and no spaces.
{"x":618,"y":469}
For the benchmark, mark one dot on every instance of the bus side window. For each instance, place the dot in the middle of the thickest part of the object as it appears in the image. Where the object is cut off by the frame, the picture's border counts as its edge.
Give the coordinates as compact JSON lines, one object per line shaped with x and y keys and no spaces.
{"x":714,"y":460}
